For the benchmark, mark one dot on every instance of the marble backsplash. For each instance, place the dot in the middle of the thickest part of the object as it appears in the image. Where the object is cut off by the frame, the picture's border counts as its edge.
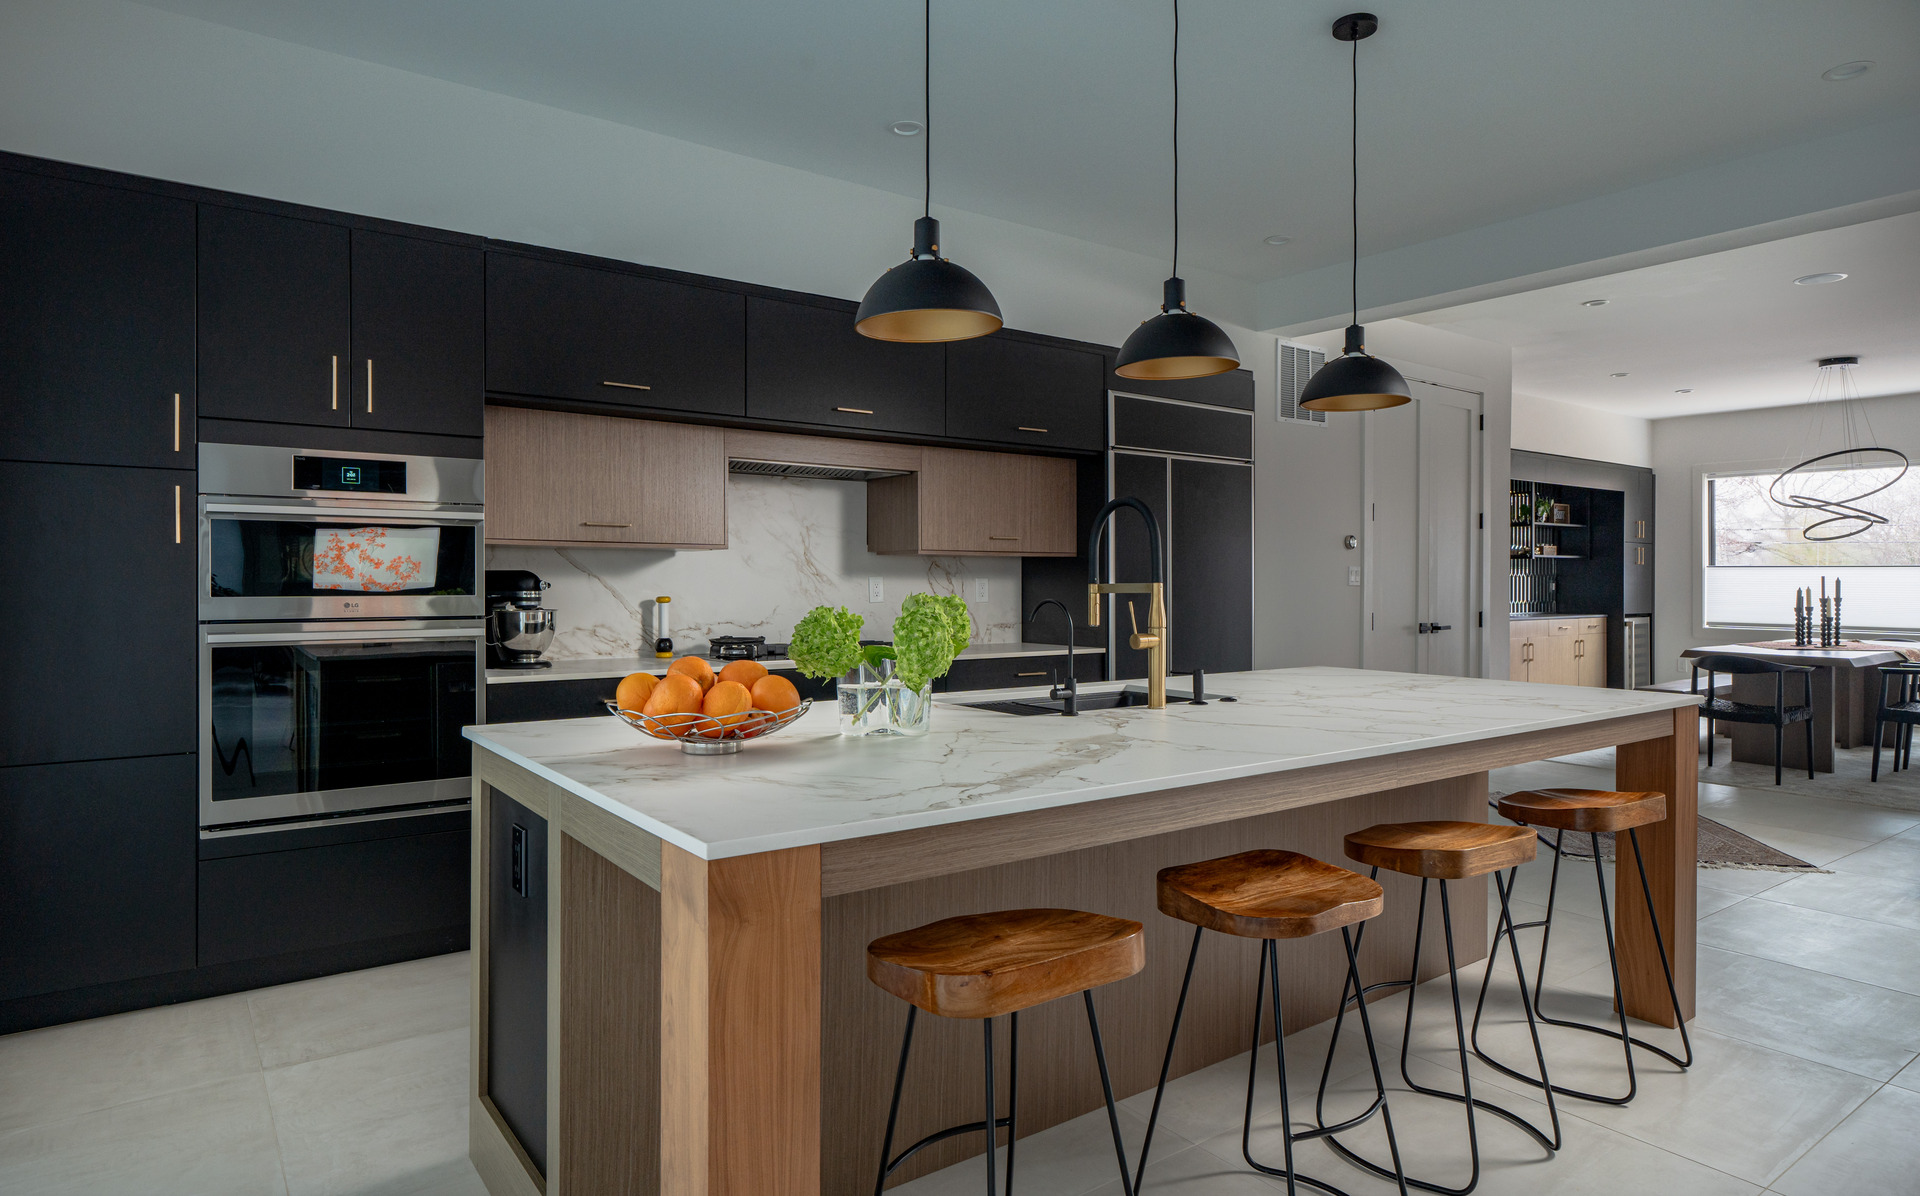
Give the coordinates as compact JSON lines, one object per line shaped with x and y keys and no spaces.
{"x":792,"y":545}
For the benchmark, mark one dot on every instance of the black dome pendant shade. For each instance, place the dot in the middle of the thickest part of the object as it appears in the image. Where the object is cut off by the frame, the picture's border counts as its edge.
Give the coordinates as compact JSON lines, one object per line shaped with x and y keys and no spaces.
{"x":1176,"y":343}
{"x":1355,"y":381}
{"x":927,"y":298}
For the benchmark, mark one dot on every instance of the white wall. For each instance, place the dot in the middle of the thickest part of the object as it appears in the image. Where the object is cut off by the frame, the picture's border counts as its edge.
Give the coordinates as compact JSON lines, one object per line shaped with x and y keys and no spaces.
{"x":1684,"y":449}
{"x":1571,"y":430}
{"x":1309,"y":493}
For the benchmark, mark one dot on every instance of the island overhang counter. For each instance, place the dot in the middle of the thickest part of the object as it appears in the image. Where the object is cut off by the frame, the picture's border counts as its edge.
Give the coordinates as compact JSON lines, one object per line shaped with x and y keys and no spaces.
{"x":669,"y":992}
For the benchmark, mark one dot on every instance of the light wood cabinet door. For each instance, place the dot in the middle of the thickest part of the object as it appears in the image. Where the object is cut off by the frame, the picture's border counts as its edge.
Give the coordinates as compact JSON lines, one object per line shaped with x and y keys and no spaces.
{"x":965,"y":503}
{"x":557,"y":478}
{"x":1520,"y":653}
{"x":1554,"y":662}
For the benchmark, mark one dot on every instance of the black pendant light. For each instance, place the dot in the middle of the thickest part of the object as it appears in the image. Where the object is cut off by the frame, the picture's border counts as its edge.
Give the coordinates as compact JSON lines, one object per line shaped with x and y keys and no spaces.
{"x":1176,"y":343}
{"x":927,"y":298}
{"x":1355,"y":381}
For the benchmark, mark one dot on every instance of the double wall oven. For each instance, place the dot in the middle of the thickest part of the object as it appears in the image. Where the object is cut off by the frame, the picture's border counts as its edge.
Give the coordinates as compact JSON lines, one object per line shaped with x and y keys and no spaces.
{"x":342,"y":637}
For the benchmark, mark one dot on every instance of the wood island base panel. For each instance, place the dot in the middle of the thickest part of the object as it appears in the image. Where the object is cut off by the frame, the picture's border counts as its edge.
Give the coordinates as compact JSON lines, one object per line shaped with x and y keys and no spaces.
{"x":698,"y":925}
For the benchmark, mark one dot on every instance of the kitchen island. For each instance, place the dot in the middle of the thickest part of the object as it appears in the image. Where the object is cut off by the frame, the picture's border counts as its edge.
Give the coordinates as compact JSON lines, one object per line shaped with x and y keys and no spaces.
{"x":669,"y":986}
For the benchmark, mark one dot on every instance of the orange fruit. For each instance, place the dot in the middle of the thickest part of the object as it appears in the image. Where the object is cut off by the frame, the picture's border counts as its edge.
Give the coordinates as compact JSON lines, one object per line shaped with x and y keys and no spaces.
{"x":675,"y":694}
{"x":696,"y":668}
{"x":634,"y":690}
{"x":775,"y":693}
{"x":745,"y":672}
{"x":728,"y":702}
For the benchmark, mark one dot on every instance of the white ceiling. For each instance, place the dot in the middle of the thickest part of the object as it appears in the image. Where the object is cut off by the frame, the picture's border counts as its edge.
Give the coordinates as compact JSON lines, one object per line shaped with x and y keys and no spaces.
{"x":1056,"y":115}
{"x":1732,"y":326}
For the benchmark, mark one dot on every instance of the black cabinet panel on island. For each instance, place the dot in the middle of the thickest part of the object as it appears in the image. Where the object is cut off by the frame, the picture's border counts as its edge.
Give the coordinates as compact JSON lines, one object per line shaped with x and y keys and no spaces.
{"x":96,"y":331}
{"x":517,"y":971}
{"x":562,"y":331}
{"x":1008,"y":390}
{"x":275,"y":329}
{"x":1231,"y":389}
{"x":104,"y":666}
{"x":419,"y":335}
{"x":806,"y":364}
{"x":96,"y":873}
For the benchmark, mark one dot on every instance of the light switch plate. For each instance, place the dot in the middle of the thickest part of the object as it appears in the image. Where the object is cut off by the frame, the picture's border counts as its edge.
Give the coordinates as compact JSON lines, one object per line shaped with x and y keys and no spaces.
{"x":1353,"y":575}
{"x":980,"y":589}
{"x":876,"y":589}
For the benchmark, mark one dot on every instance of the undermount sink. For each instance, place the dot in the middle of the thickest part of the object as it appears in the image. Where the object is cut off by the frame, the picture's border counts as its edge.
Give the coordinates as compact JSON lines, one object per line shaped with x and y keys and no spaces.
{"x":1132,"y":695}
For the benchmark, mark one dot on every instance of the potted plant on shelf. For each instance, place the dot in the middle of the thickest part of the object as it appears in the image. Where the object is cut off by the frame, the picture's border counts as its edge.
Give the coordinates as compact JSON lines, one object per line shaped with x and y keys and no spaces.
{"x":884,"y":689}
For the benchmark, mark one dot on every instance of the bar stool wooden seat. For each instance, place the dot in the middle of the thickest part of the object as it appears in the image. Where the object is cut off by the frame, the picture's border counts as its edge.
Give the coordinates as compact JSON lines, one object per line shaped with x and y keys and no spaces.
{"x":1271,"y":895}
{"x":987,"y":965}
{"x":1593,"y":812}
{"x":1442,"y":852}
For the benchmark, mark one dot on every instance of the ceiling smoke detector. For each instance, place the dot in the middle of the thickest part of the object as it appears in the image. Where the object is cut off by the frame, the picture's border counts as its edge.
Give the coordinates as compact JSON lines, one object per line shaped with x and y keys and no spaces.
{"x":1595,"y":302}
{"x":907,"y":128}
{"x":1621,"y":374}
{"x":1685,"y":390}
{"x":1847,"y":70}
{"x":1818,"y":280}
{"x":1277,"y":240}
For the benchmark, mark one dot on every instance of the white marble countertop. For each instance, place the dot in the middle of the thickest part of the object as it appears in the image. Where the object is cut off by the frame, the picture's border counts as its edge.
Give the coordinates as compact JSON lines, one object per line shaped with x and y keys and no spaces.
{"x":594,"y":667}
{"x":808,"y":784}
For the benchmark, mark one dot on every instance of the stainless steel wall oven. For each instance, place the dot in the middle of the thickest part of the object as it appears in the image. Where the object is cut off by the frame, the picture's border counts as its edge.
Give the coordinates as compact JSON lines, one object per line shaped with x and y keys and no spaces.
{"x":342,"y":644}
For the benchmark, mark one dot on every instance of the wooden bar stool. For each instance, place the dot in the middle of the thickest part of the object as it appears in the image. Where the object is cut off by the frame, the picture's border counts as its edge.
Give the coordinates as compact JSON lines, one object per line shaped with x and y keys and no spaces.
{"x":984,"y":965}
{"x":1443,"y":852}
{"x":1592,"y":811}
{"x":1271,"y":895}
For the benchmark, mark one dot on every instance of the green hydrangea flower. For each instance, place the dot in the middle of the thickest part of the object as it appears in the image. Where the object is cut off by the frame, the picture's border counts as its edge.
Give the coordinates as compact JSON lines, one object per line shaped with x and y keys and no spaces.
{"x":930,"y":632}
{"x":826,"y":643}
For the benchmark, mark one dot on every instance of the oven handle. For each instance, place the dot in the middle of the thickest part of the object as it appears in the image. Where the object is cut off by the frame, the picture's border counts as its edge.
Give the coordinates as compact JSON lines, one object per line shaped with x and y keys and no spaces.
{"x":370,"y":636}
{"x":331,"y":514}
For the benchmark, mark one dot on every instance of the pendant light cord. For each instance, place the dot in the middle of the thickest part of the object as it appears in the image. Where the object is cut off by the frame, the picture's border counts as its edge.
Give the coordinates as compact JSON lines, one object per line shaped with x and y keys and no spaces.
{"x":926,"y":105}
{"x":1176,"y":138}
{"x":1356,"y":181}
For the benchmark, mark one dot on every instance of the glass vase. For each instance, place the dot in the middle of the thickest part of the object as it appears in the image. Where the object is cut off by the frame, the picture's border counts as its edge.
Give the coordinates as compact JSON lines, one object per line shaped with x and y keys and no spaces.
{"x":874,"y":702}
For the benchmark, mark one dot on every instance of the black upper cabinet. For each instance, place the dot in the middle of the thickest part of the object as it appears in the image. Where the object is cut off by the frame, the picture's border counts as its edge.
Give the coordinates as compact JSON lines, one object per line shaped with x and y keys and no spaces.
{"x":96,"y":325}
{"x":419,"y":330}
{"x":561,"y":331}
{"x":105,"y":665}
{"x":96,"y":873}
{"x":1231,"y":389}
{"x":1012,"y":391}
{"x":806,"y":364}
{"x":1212,"y":575}
{"x":275,"y":326}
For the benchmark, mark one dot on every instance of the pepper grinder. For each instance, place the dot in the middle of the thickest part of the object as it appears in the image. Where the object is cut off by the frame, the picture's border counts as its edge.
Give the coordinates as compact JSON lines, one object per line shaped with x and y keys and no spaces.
{"x":662,"y":634}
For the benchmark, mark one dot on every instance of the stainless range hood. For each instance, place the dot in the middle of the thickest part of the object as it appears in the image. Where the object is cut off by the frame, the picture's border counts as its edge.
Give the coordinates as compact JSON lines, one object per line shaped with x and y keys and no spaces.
{"x":790,"y":469}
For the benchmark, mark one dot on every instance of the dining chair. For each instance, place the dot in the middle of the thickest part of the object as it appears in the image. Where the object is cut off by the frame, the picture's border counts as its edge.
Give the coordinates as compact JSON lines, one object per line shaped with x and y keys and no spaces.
{"x":1779,"y":716}
{"x":1903,"y":711}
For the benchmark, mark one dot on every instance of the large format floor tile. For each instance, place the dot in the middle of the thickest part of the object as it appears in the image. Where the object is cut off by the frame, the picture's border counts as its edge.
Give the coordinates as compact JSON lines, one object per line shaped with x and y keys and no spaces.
{"x":1872,"y":1151}
{"x":1894,"y":900}
{"x":213,"y":1139}
{"x":1871,"y":952}
{"x":61,"y":1072}
{"x":336,"y":1014}
{"x":1861,"y":1028}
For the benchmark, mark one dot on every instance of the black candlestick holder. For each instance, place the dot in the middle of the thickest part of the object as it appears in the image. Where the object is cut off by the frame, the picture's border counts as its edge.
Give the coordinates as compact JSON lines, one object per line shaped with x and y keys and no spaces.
{"x":1826,"y":622}
{"x":1800,"y":620}
{"x":1837,"y":638}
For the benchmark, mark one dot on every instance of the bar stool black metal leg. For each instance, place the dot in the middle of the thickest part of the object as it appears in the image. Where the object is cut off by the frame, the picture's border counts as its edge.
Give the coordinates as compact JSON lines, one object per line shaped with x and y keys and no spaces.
{"x":1013,"y":1091}
{"x":986,"y":1025}
{"x":1660,"y":946}
{"x":893,"y":1110}
{"x":1106,"y":1090}
{"x":1166,"y":1063}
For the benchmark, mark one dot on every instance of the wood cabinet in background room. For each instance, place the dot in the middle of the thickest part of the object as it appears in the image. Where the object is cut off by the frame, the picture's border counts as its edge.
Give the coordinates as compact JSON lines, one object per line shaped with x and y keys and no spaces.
{"x":559,"y":478}
{"x":1559,"y":650}
{"x":965,"y":503}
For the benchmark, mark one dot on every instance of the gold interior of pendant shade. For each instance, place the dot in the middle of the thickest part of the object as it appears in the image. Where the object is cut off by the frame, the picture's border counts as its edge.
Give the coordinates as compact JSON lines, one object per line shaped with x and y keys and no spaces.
{"x":928,"y":324}
{"x":1356,"y":402}
{"x":1166,"y":368}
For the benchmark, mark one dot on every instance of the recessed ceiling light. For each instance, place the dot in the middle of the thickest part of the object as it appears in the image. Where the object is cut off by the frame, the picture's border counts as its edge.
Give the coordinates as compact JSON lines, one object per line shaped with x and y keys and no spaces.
{"x":1595,"y":302}
{"x":1816,"y":280}
{"x":907,"y":128}
{"x":1685,"y":390}
{"x":1621,"y":374}
{"x":1277,"y":240}
{"x":1847,"y":70}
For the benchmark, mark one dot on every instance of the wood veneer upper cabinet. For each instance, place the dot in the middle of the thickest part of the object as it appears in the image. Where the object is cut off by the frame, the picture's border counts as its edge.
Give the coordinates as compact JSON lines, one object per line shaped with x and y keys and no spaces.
{"x":557,"y":478}
{"x":562,"y":331}
{"x":965,"y":503}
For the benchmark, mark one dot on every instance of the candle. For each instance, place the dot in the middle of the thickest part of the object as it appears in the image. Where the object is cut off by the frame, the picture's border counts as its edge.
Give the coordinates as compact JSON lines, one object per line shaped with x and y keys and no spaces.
{"x":1823,"y":587}
{"x":1836,"y":589}
{"x":1797,"y":607}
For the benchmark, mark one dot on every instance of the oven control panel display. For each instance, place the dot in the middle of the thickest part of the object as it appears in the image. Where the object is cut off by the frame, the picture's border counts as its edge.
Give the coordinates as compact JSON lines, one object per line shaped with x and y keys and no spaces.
{"x":349,"y":474}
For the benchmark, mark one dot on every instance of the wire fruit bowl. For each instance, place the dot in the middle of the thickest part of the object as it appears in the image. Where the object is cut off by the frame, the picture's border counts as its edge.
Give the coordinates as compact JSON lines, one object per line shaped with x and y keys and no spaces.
{"x":706,"y":734}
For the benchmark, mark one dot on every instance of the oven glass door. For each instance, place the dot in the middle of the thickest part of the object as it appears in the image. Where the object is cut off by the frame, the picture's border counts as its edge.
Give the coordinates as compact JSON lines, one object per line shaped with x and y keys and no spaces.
{"x":261,"y":561}
{"x":321,"y":722}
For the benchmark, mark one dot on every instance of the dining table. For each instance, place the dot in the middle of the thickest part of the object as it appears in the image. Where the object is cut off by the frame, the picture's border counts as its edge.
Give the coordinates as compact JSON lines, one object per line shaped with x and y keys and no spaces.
{"x":1842,"y":688}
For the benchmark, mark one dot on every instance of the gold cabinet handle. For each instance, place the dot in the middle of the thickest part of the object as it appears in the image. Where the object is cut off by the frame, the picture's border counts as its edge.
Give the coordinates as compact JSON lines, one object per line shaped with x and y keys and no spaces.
{"x":176,"y":421}
{"x":854,"y":410}
{"x":176,"y":514}
{"x":1042,"y":673}
{"x":333,"y":383}
{"x":627,"y":385}
{"x":590,"y":523}
{"x":1025,"y":428}
{"x":369,"y":386}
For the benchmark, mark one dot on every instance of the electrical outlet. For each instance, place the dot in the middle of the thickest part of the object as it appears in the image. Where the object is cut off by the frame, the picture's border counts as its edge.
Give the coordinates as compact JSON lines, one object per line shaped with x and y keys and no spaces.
{"x":1353,"y":575}
{"x":980,"y":589}
{"x":876,"y":589}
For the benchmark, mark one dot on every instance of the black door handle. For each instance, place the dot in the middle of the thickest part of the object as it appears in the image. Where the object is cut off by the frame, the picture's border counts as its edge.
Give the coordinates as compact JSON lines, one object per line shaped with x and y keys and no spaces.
{"x":1430,"y":628}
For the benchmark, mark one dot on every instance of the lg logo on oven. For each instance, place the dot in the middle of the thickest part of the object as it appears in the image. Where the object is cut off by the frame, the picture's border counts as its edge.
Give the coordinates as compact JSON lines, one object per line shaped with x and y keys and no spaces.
{"x":350,"y":606}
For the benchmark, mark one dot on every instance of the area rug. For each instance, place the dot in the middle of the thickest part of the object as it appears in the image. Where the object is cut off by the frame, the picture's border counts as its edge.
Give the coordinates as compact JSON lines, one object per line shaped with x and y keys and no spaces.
{"x":1720,"y":847}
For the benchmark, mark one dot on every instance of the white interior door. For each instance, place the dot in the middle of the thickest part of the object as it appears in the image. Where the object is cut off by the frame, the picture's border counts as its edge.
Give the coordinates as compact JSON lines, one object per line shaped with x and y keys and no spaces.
{"x":1423,"y":534}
